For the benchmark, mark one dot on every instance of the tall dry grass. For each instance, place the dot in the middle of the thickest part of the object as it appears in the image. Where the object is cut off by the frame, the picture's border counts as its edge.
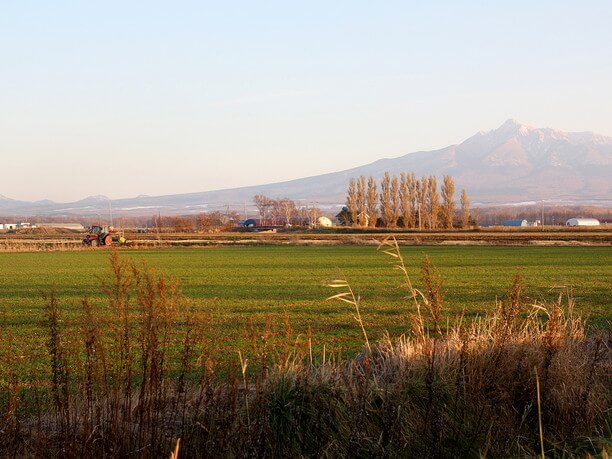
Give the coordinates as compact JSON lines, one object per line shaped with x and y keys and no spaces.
{"x":8,"y":245}
{"x":142,"y":374}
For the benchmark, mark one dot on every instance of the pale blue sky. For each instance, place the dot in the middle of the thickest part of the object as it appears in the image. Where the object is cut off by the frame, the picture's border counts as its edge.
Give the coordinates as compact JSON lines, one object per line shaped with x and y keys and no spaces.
{"x":157,"y":97}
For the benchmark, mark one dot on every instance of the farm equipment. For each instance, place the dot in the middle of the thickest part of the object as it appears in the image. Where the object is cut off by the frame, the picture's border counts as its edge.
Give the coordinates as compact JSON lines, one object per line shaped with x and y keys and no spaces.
{"x":103,"y":235}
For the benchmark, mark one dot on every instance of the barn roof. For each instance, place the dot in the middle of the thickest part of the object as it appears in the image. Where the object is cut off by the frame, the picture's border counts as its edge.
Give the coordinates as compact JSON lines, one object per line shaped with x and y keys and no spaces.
{"x":515,"y":223}
{"x":583,"y":221}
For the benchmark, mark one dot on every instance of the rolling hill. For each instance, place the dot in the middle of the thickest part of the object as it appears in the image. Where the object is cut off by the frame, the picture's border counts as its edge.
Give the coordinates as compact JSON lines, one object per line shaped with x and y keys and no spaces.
{"x":511,"y":164}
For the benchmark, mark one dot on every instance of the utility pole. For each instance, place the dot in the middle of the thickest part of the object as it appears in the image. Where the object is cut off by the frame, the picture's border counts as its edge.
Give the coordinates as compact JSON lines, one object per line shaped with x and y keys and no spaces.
{"x":420,"y":225}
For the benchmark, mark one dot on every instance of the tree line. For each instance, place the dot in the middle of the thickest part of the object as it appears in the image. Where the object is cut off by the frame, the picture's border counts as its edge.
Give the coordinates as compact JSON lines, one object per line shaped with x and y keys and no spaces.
{"x":203,"y":222}
{"x":404,"y":201}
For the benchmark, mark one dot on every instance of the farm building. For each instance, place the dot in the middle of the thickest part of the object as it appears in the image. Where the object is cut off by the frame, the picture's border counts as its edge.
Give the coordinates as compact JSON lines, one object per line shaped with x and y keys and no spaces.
{"x":249,"y":223}
{"x":582,"y":222}
{"x":324,"y":222}
{"x":515,"y":223}
{"x":14,"y":226}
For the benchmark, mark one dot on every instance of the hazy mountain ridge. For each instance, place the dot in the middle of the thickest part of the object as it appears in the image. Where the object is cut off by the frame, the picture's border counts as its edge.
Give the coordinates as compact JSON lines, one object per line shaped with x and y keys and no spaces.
{"x":513,"y":163}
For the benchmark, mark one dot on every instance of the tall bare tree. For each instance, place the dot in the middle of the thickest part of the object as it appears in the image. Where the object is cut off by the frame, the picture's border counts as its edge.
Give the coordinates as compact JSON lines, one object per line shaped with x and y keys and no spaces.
{"x":304,"y":214}
{"x":263,"y":204}
{"x":351,"y":200}
{"x":465,"y":209}
{"x":362,"y":213}
{"x":414,"y":197}
{"x":406,"y":201}
{"x":314,"y":213}
{"x":422,"y":188}
{"x":396,"y":206}
{"x":372,"y":201}
{"x":386,"y":206}
{"x":287,"y":210}
{"x":433,"y":202}
{"x":448,"y":201}
{"x":275,"y":211}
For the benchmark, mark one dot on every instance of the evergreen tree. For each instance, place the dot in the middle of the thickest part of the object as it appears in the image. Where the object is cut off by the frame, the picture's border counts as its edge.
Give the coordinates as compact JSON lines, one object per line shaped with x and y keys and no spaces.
{"x":344,"y":217}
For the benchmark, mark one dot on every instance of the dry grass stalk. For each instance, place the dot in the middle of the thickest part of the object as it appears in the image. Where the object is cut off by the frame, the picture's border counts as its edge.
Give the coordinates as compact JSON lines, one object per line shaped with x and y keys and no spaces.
{"x":433,"y":288}
{"x":175,"y":453}
{"x":349,"y":297}
{"x":541,"y":430}
{"x":390,"y":247}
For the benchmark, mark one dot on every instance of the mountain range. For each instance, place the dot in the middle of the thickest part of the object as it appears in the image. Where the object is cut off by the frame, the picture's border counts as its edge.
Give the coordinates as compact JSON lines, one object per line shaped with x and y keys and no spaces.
{"x":512,"y":164}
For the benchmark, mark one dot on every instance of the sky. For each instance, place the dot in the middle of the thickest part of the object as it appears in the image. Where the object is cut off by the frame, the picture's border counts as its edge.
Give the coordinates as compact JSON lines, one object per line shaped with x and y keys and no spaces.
{"x":123,"y":98}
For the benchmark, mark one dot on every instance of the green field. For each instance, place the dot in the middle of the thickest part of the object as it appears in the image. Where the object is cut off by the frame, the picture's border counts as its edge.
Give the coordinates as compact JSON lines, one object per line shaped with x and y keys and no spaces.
{"x":240,"y":284}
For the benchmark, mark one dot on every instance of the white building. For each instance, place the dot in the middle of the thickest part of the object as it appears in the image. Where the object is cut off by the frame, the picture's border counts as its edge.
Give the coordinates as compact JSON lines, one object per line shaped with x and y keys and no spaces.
{"x":324,"y":222}
{"x":582,"y":222}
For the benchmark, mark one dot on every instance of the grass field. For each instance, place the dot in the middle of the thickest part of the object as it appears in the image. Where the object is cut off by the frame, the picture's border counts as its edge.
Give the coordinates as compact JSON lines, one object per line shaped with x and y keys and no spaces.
{"x":39,"y":239}
{"x":245,"y":378}
{"x":242,"y":284}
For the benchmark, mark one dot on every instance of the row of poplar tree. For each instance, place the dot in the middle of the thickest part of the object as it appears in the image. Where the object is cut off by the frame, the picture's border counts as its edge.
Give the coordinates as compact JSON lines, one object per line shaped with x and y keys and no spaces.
{"x":405,"y":201}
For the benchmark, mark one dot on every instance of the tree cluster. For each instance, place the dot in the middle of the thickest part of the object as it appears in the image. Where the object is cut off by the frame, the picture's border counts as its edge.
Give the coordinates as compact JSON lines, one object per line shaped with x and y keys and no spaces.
{"x":404,"y":201}
{"x":202,"y":222}
{"x":284,"y":211}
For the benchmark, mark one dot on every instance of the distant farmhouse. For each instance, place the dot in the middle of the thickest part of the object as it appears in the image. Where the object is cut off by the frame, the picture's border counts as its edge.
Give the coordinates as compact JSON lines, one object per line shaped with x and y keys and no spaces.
{"x":582,"y":222}
{"x":14,"y":226}
{"x":23,"y":225}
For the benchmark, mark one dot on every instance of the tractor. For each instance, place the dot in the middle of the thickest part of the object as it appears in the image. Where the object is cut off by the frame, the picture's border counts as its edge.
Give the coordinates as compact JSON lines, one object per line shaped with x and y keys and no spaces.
{"x":102,"y":235}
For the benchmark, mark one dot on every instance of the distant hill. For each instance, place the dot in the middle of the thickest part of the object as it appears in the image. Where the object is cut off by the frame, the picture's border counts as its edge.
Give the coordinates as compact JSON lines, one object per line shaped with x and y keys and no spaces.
{"x":511,"y":164}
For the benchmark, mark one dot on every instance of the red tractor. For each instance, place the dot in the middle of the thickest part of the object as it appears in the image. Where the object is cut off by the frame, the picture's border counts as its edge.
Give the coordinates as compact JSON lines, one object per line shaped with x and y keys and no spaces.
{"x":102,"y":235}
